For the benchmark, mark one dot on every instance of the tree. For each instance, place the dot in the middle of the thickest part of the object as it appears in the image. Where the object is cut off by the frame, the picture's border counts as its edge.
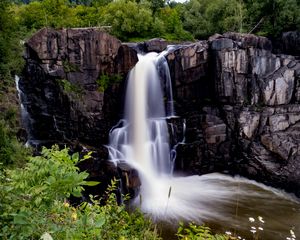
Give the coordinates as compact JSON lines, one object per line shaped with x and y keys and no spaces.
{"x":128,"y":19}
{"x":206,"y":17}
{"x":156,"y":5}
{"x":273,"y":16}
{"x":9,"y":44}
{"x":172,"y":25}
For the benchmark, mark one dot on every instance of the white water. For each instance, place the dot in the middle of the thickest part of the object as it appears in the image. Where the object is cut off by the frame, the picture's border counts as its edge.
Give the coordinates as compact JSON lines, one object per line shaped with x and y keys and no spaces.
{"x":25,"y":118}
{"x":163,"y":69}
{"x":141,"y":140}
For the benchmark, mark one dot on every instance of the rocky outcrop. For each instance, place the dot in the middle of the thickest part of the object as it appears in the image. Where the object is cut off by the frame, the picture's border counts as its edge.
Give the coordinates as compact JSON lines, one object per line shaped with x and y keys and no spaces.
{"x":238,"y":101}
{"x":73,"y":80}
{"x":245,"y":109}
{"x":73,"y":86}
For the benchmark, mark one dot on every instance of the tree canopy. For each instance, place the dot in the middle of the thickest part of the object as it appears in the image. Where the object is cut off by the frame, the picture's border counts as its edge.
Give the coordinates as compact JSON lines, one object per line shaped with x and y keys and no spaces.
{"x":138,"y":19}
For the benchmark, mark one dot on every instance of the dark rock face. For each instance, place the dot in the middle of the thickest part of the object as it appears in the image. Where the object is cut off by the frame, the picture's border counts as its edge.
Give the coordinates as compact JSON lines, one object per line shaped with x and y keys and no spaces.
{"x":238,"y":100}
{"x":190,"y":71}
{"x":65,"y":81}
{"x":245,"y":109}
{"x":68,"y":97}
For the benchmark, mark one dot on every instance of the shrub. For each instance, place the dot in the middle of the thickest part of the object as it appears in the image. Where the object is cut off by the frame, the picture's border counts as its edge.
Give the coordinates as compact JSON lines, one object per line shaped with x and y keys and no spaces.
{"x":34,"y":204}
{"x":11,"y":151}
{"x":195,"y":232}
{"x":104,"y":81}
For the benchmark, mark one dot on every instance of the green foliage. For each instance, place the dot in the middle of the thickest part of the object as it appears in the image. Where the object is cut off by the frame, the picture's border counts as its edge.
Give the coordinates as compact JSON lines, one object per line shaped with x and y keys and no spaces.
{"x":195,"y":232}
{"x":48,"y":13}
{"x":206,"y":17}
{"x":10,"y":46}
{"x":33,"y":204}
{"x":172,"y":28}
{"x":155,"y":5}
{"x":71,"y":88}
{"x":11,"y":151}
{"x":69,"y":67}
{"x":274,"y":16}
{"x":128,"y":19}
{"x":104,"y":81}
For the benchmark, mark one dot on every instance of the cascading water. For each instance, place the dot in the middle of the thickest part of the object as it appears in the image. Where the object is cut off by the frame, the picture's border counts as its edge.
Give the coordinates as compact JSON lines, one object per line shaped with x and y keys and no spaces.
{"x":163,"y":69}
{"x":141,"y":140}
{"x":26,"y":120}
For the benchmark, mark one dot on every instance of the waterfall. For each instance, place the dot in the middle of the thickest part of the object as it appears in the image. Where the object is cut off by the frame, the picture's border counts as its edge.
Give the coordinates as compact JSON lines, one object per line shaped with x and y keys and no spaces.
{"x":141,"y":140}
{"x":163,"y":69}
{"x":25,"y":117}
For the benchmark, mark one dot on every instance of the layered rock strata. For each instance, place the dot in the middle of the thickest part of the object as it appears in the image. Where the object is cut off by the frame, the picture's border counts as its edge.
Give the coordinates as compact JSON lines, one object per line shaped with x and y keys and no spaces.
{"x":243,"y":109}
{"x":239,"y":100}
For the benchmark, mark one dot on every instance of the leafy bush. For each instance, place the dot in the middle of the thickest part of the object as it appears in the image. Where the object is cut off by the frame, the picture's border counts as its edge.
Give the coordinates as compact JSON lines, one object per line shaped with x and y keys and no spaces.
{"x":272,"y":17}
{"x":207,"y":17}
{"x":195,"y":232}
{"x":75,"y":90}
{"x":104,"y":81}
{"x":34,"y":204}
{"x":128,"y":19}
{"x":11,"y":151}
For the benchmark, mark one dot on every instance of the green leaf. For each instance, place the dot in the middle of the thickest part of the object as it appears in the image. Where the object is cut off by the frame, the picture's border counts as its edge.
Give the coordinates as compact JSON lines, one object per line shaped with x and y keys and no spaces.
{"x":91,"y":183}
{"x":100,"y":222}
{"x":75,"y":157}
{"x":20,"y":219}
{"x":76,"y":193}
{"x":87,"y":156}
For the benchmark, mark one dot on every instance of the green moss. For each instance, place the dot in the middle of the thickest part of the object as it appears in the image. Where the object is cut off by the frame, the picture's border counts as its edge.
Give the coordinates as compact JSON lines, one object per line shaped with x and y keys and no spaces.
{"x":104,"y":81}
{"x":69,"y":67}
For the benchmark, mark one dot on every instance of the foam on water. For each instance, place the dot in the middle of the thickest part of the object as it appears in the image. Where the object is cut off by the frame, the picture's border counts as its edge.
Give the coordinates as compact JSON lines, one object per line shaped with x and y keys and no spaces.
{"x":141,"y":140}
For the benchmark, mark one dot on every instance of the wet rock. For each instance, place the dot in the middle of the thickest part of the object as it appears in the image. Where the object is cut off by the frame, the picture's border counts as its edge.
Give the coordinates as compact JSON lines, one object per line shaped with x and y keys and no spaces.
{"x":222,"y":43}
{"x":255,"y":70}
{"x":155,"y":45}
{"x":74,"y":83}
{"x":189,"y":69}
{"x":279,"y":87}
{"x":104,"y":172}
{"x":249,"y":40}
{"x":254,"y":129}
{"x":248,"y":122}
{"x":130,"y":180}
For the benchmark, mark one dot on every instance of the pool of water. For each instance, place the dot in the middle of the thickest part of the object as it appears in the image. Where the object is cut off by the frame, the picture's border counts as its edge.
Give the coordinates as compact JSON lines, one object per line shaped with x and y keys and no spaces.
{"x":236,"y":206}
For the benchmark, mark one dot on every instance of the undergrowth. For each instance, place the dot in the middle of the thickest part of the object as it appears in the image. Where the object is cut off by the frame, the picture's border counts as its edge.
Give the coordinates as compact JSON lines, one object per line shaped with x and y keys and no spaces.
{"x":34,"y":204}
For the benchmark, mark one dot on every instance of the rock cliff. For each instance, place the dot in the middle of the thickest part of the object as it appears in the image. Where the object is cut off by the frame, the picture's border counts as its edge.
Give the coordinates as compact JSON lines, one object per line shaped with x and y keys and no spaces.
{"x":239,"y":100}
{"x":73,"y":82}
{"x":244,"y":112}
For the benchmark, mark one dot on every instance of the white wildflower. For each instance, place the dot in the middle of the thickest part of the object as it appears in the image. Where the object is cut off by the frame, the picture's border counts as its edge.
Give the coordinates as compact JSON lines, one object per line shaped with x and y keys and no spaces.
{"x":261,"y":219}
